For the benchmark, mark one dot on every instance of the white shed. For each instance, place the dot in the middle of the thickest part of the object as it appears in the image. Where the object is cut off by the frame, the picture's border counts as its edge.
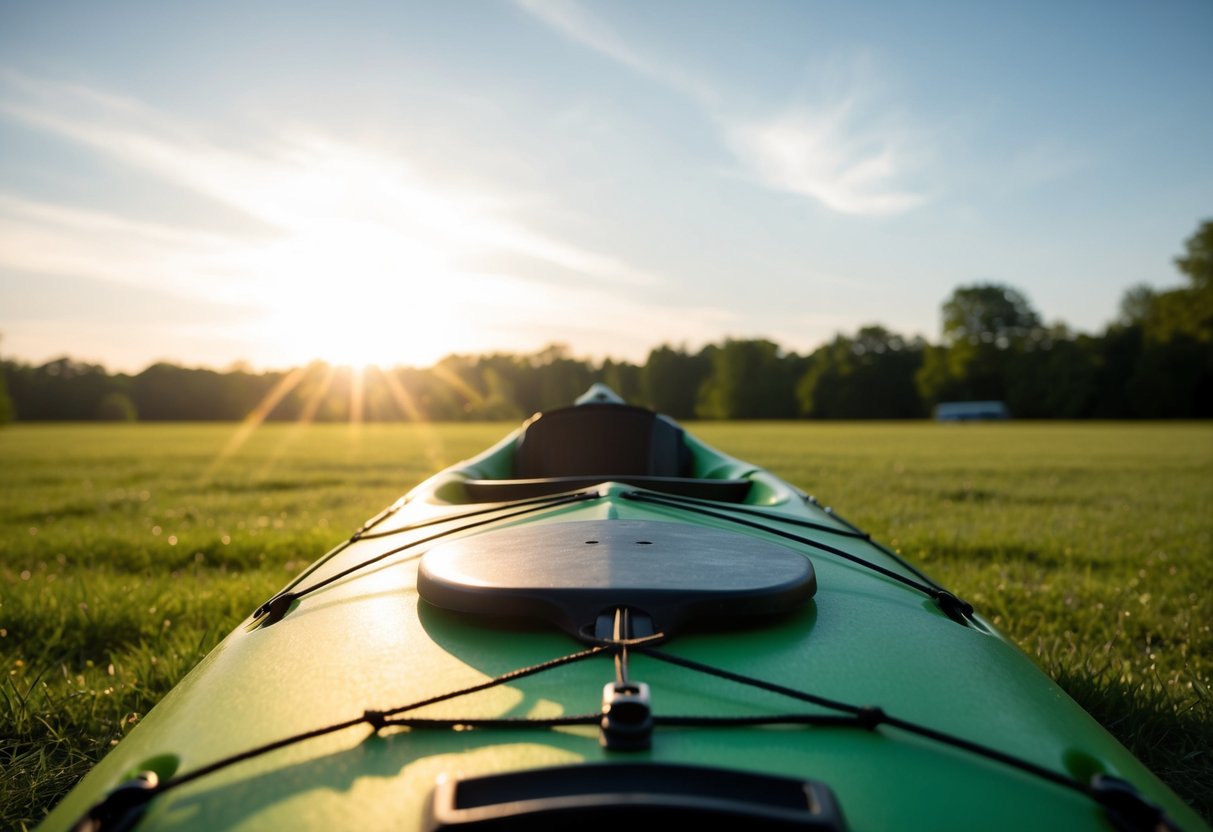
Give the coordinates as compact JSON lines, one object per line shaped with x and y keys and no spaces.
{"x":971,"y":411}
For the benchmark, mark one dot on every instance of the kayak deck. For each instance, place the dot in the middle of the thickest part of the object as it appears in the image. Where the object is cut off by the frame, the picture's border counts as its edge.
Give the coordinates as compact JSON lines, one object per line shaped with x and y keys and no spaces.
{"x":422,"y":655}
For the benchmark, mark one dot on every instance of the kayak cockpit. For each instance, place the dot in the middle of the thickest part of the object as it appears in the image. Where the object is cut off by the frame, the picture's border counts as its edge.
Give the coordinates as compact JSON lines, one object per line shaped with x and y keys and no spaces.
{"x":601,"y":439}
{"x":604,"y":440}
{"x":496,"y":491}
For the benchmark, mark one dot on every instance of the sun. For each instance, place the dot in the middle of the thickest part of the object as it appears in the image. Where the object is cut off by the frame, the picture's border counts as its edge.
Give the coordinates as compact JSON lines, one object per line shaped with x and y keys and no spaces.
{"x":352,"y":294}
{"x":367,"y":262}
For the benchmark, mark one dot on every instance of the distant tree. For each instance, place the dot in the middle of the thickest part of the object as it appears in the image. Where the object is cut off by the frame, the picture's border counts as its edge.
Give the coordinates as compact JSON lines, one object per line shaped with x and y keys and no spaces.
{"x":868,"y":376}
{"x":962,"y":372}
{"x":989,"y":313}
{"x":750,"y":379}
{"x":1114,"y":357}
{"x":1056,"y":380}
{"x":1197,"y":262}
{"x":982,"y":326}
{"x":116,"y":407}
{"x":62,"y":389}
{"x":1172,"y":380}
{"x":501,"y":394}
{"x":624,"y":378}
{"x":167,"y":392}
{"x":561,"y":378}
{"x":427,"y":395}
{"x":1135,"y":305}
{"x":1173,"y":372}
{"x":670,"y":380}
{"x":243,"y":391}
{"x":1186,"y":312}
{"x":6,"y":403}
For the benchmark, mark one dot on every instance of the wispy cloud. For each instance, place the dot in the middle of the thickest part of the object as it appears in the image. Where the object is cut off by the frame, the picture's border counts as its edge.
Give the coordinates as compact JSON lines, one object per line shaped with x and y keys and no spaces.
{"x":843,"y":148}
{"x":43,"y":238}
{"x":301,"y":185}
{"x":822,"y":152}
{"x":349,"y":252}
{"x":575,"y":23}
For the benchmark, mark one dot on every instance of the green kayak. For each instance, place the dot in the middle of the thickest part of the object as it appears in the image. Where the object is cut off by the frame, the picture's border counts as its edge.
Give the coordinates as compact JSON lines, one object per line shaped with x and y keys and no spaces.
{"x":602,"y":621}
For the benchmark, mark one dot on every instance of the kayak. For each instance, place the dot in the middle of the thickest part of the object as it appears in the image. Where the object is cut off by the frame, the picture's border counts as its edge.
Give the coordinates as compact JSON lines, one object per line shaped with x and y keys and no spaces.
{"x":602,"y":620}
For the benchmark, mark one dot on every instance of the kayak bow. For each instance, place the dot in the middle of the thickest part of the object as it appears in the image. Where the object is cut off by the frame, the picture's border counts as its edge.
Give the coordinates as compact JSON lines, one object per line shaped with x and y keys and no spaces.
{"x":602,"y":620}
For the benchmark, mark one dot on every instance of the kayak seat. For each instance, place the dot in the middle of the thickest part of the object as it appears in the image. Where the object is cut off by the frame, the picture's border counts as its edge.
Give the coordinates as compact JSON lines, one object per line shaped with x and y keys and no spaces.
{"x":494,"y":491}
{"x":601,"y":440}
{"x":584,"y":445}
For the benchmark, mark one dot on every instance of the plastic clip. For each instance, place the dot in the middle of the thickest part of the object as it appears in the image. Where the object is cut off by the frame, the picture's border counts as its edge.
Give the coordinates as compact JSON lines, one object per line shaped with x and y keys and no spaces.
{"x":627,"y":718}
{"x":1126,"y":808}
{"x":122,"y":807}
{"x":953,"y":607}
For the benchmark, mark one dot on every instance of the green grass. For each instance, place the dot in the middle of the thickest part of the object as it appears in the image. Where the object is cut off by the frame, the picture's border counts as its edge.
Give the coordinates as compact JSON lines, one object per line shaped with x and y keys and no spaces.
{"x":128,"y":551}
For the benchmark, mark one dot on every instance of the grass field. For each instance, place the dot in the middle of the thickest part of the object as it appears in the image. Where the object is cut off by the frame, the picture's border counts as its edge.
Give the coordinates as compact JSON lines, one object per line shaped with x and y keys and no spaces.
{"x":128,"y":551}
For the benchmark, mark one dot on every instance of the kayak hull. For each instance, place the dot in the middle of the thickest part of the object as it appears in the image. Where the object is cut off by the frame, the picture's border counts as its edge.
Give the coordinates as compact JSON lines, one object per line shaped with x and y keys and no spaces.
{"x":383,"y":702}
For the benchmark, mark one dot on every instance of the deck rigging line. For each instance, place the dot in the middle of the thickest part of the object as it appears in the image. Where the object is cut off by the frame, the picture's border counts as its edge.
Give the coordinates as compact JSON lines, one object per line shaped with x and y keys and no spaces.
{"x":365,"y":531}
{"x":274,"y":609}
{"x":956,"y":609}
{"x":851,"y":529}
{"x":1126,"y":808}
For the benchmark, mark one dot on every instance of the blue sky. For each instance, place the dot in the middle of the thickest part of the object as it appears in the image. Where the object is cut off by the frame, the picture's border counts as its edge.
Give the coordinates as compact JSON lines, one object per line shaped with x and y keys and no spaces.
{"x":390,"y":182}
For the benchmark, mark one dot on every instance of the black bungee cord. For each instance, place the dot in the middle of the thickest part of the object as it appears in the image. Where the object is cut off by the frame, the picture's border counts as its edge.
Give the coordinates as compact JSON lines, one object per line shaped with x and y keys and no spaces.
{"x":851,"y":529}
{"x":121,"y":808}
{"x":956,"y":609}
{"x":1126,"y":808}
{"x":273,"y":610}
{"x":366,"y":530}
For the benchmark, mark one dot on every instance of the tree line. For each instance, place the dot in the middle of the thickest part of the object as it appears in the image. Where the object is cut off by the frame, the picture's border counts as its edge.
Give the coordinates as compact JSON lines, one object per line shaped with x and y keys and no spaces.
{"x":1154,"y":361}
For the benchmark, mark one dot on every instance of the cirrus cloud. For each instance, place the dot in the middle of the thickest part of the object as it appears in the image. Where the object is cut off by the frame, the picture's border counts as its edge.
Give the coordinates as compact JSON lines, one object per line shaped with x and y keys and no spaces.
{"x":844,"y":148}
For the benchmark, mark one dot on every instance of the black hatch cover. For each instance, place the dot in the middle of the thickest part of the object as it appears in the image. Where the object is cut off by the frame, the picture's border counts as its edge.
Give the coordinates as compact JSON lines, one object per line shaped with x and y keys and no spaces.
{"x":569,"y":573}
{"x":621,"y":796}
